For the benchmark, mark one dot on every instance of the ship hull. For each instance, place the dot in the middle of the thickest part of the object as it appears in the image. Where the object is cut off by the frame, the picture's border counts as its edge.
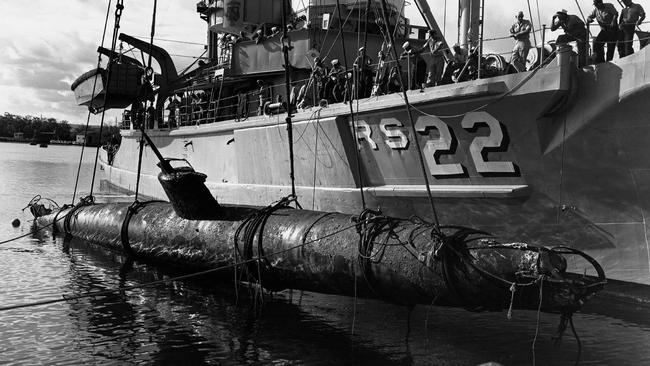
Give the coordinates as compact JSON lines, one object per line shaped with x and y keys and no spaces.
{"x":547,"y":157}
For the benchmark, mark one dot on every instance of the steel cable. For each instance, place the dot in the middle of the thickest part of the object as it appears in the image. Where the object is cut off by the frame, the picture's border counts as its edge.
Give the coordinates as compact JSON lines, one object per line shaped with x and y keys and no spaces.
{"x":118,"y":15}
{"x":99,"y":61}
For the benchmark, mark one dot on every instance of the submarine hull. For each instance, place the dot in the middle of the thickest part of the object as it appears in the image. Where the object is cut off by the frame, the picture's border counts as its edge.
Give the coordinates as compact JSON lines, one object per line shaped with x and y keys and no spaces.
{"x":399,"y":261}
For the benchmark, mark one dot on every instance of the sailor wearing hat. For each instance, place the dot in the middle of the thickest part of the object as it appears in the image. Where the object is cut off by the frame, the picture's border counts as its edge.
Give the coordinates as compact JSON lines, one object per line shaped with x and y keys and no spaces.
{"x":362,"y":82}
{"x":437,"y":63}
{"x":258,"y":36}
{"x":574,"y":31}
{"x":335,"y":87}
{"x":362,"y":60}
{"x":631,"y":17}
{"x":606,"y":15}
{"x":319,"y":76}
{"x":520,"y":31}
{"x":416,"y":66}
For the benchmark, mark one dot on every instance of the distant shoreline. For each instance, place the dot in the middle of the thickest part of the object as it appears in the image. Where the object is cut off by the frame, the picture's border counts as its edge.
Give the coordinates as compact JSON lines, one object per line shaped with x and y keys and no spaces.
{"x":52,"y":142}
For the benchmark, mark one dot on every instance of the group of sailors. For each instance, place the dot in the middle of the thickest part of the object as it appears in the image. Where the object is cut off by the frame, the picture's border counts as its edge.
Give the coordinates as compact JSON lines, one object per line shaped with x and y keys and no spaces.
{"x":368,"y":78}
{"x":616,"y":31}
{"x":182,"y":108}
{"x":442,"y":66}
{"x":332,"y":84}
{"x":226,"y":41}
{"x":187,"y":106}
{"x":335,"y":84}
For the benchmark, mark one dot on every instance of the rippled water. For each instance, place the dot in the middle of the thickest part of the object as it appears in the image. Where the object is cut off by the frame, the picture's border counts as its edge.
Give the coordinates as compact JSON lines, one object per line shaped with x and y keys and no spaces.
{"x":206,"y":322}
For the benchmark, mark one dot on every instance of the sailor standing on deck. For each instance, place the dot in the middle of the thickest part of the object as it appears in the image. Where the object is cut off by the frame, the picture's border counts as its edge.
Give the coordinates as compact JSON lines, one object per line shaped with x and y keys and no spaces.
{"x":631,"y":17}
{"x":416,"y":65}
{"x":381,"y":75}
{"x":437,"y":64}
{"x":171,"y":107}
{"x":319,"y":77}
{"x":520,"y":31}
{"x":362,"y":75}
{"x":607,"y":17}
{"x":574,"y":30}
{"x":335,"y":89}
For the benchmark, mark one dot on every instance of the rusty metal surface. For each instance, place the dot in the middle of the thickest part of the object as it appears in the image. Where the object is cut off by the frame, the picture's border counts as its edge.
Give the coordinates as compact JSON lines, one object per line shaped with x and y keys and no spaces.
{"x":322,"y":252}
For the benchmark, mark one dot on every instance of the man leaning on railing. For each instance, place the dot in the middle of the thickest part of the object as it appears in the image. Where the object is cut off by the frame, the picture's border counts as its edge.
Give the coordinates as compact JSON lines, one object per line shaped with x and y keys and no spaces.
{"x":631,"y":17}
{"x":606,"y":16}
{"x":574,"y":30}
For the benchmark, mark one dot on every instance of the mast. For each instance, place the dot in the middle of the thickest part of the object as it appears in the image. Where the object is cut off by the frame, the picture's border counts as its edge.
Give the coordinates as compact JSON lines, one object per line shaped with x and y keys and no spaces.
{"x":480,"y":40}
{"x":468,"y":22}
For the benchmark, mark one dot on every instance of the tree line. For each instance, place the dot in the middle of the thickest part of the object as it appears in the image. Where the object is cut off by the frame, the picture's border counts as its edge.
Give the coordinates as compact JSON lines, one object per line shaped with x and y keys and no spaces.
{"x":31,"y":127}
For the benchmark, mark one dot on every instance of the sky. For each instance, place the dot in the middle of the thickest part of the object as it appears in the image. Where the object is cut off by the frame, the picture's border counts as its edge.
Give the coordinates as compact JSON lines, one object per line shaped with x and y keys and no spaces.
{"x":45,"y":45}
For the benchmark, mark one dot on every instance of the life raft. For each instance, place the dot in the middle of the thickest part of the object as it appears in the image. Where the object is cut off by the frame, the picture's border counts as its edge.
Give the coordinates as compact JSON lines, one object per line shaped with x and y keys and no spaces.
{"x":90,"y":89}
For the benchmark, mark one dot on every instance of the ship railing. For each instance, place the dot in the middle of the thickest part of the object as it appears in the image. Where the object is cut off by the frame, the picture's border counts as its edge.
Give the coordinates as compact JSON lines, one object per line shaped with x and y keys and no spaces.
{"x":126,"y":120}
{"x":189,"y":113}
{"x":642,"y":39}
{"x":226,"y":108}
{"x":224,"y":59}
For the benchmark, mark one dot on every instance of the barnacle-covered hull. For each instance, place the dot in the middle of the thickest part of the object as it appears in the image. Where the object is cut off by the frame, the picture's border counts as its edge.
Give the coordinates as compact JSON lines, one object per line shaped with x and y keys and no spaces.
{"x":400,"y":261}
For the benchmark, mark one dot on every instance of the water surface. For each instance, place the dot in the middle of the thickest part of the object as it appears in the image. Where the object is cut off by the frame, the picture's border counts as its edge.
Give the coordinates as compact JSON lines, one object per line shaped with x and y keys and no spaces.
{"x":205,"y":322}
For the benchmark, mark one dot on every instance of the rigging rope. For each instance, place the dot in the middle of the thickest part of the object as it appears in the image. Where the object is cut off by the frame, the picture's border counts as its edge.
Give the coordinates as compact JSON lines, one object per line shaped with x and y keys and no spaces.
{"x":137,"y":177}
{"x":539,"y":21}
{"x":358,"y":74}
{"x":196,"y":59}
{"x":530,"y":14}
{"x":539,"y":310}
{"x":172,"y":40}
{"x":408,"y":111}
{"x":153,"y":31}
{"x":118,"y":14}
{"x":444,"y":21}
{"x":99,"y":62}
{"x":317,"y":125}
{"x":145,"y":120}
{"x":286,"y":47}
{"x":402,"y":8}
{"x":340,"y":33}
{"x":352,"y":114}
{"x":560,"y":205}
{"x":252,"y":228}
{"x":575,"y":334}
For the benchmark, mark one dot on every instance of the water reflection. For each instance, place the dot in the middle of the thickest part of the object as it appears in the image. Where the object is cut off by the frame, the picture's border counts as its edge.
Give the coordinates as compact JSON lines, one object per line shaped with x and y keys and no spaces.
{"x":204,"y":321}
{"x":191,"y":322}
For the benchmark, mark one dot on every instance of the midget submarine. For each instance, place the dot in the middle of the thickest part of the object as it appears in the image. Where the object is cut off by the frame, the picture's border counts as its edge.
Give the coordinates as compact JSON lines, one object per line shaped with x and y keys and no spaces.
{"x":402,"y":261}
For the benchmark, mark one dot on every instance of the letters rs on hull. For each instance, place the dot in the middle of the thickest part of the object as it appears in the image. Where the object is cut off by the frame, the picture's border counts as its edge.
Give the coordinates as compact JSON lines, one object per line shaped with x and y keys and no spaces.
{"x":440,"y":139}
